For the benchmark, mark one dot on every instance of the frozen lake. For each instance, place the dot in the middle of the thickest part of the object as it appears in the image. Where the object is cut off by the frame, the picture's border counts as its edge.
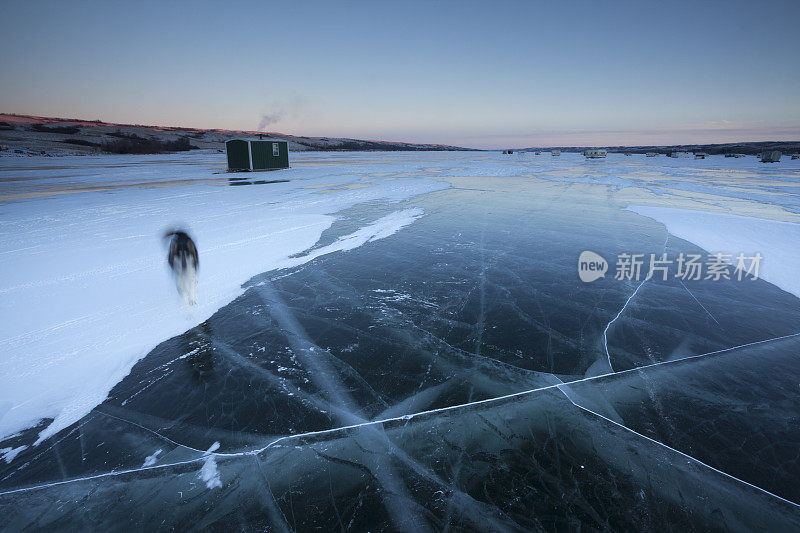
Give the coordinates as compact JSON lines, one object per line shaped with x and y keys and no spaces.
{"x":399,"y":341}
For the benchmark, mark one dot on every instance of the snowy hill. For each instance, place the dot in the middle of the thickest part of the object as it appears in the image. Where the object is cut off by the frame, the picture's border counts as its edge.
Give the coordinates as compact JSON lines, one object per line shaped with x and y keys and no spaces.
{"x":32,"y":135}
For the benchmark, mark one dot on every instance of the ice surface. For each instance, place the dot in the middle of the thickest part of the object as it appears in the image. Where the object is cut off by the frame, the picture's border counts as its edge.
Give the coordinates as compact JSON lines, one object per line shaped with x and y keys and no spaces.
{"x":415,"y":352}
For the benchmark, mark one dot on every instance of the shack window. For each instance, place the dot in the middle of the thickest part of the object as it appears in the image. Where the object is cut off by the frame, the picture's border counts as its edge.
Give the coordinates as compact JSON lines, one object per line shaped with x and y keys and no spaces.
{"x":275,"y":150}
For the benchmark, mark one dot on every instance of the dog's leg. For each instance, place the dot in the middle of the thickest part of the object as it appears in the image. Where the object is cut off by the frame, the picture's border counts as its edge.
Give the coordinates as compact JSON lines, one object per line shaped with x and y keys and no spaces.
{"x":191,"y":284}
{"x":183,"y":284}
{"x":180,"y":284}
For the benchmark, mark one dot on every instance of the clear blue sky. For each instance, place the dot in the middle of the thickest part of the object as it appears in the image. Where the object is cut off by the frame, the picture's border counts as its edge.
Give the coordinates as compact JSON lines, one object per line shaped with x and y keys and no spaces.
{"x":480,"y":74}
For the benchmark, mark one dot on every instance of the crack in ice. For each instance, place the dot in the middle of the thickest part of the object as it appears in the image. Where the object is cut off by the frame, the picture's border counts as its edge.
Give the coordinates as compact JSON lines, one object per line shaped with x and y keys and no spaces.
{"x":411,"y":416}
{"x":698,"y":303}
{"x":605,"y":331}
{"x":659,"y":443}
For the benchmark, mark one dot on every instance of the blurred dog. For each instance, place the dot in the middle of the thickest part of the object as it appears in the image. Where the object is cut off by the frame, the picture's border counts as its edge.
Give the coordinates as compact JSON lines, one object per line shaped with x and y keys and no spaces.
{"x":184,"y":262}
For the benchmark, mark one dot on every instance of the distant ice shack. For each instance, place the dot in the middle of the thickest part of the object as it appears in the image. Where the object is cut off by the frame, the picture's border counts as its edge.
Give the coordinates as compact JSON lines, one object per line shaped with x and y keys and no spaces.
{"x":257,"y":155}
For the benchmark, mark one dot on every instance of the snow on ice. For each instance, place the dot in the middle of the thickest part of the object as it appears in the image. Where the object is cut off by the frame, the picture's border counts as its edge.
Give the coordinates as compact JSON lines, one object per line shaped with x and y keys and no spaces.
{"x":84,"y":290}
{"x":778,"y":242}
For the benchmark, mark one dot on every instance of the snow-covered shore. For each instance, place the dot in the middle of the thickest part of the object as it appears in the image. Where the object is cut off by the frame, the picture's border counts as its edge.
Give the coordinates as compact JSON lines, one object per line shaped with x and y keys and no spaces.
{"x":84,"y":288}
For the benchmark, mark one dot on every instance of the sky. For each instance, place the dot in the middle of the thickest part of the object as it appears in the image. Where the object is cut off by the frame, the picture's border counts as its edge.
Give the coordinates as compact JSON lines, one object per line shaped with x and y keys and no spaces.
{"x":481,"y":74}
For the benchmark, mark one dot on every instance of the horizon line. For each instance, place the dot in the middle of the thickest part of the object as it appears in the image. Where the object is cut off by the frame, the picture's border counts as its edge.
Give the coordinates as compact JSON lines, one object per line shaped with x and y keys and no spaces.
{"x":259,"y":132}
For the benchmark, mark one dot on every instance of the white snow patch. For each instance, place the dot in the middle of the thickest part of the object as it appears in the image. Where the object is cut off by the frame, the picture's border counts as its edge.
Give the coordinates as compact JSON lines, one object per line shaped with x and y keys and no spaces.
{"x":381,"y":228}
{"x":777,"y":242}
{"x":150,"y":460}
{"x":9,"y":453}
{"x":209,"y":472}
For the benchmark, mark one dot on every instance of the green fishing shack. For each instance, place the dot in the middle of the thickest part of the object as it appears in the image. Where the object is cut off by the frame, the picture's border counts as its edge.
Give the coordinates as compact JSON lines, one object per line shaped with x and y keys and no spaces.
{"x":257,"y":155}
